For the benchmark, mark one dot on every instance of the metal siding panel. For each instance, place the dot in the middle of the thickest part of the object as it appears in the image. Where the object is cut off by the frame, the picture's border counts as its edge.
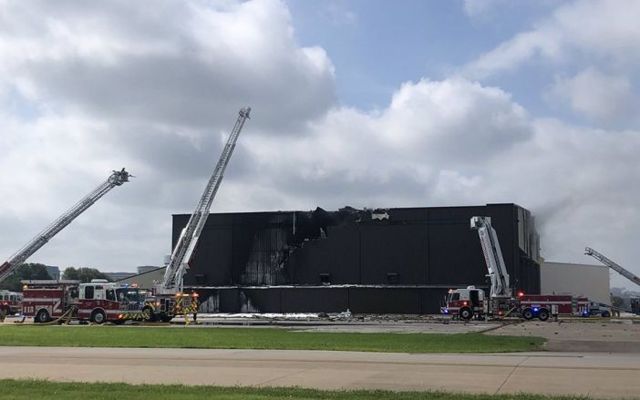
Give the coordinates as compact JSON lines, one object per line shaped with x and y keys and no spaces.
{"x":384,"y":301}
{"x":302,"y":299}
{"x":431,"y":300}
{"x":338,"y":254}
{"x":263,"y":300}
{"x":212,"y":258}
{"x":397,"y":249}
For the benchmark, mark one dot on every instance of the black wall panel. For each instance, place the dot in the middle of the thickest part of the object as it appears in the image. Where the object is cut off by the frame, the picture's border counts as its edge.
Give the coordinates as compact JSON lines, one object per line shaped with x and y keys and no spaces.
{"x":338,"y":254}
{"x":393,"y":253}
{"x":301,"y":300}
{"x":431,"y":300}
{"x":384,"y":300}
{"x":261,"y":300}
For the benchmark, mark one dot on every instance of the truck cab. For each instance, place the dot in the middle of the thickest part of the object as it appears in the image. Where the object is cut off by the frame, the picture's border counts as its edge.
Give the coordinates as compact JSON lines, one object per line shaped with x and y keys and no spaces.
{"x":464,"y":303}
{"x":10,"y":302}
{"x":101,"y":301}
{"x":97,"y":301}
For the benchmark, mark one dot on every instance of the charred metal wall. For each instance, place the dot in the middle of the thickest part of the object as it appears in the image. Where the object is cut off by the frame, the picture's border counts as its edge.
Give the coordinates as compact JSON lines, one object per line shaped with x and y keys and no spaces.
{"x":391,"y":260}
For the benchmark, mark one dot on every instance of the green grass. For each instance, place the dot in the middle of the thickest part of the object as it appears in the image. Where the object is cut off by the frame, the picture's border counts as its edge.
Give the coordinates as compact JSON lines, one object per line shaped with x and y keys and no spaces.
{"x":44,"y":390}
{"x":260,"y":338}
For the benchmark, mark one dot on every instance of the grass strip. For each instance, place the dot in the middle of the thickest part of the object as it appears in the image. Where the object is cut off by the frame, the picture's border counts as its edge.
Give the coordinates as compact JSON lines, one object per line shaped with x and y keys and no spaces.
{"x":261,"y":338}
{"x":44,"y":390}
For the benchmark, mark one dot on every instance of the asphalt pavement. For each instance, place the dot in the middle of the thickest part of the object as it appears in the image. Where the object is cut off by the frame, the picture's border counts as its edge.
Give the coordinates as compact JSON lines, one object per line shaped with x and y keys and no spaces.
{"x":598,"y":375}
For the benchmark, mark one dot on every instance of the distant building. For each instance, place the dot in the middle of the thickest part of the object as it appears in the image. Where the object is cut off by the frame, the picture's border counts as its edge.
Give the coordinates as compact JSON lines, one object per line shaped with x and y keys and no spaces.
{"x":146,"y":279}
{"x":117,"y":276}
{"x":146,"y":268}
{"x":587,"y":280}
{"x":53,"y":271}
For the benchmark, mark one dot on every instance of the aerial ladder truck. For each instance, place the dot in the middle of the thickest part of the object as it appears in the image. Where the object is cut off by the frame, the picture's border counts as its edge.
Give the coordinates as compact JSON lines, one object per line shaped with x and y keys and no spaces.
{"x":622,"y":271}
{"x":635,"y":302}
{"x":471,"y":301}
{"x":117,"y":178}
{"x":169,"y":299}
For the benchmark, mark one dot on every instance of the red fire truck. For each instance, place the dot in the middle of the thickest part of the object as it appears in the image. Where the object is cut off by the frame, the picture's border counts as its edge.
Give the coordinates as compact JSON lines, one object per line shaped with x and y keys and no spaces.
{"x":541,"y":306}
{"x":470,"y":302}
{"x":98,"y":301}
{"x":10,"y":302}
{"x":101,"y":301}
{"x":45,"y":300}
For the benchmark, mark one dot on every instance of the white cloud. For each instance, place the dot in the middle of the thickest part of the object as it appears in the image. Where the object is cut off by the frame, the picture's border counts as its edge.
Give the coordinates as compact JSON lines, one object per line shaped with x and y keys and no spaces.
{"x":596,"y":95}
{"x":109,"y":60}
{"x":338,"y":13}
{"x":600,"y":30}
{"x":88,"y":88}
{"x":116,"y":84}
{"x":453,"y":121}
{"x":476,"y":8}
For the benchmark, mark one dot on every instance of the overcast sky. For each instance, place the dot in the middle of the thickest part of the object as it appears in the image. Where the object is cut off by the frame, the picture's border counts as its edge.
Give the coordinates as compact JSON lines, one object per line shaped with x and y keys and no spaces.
{"x":361,"y":103}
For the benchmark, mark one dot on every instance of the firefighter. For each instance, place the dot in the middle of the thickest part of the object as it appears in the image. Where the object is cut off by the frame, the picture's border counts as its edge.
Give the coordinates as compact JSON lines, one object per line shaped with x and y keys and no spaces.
{"x":194,"y":306}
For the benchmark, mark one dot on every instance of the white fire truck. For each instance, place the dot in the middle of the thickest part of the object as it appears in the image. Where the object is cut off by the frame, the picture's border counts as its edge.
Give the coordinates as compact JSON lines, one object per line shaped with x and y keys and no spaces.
{"x":471,"y":301}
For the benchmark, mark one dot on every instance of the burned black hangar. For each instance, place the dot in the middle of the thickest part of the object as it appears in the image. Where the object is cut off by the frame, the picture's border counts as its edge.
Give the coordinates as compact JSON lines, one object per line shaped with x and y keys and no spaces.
{"x":395,"y":260}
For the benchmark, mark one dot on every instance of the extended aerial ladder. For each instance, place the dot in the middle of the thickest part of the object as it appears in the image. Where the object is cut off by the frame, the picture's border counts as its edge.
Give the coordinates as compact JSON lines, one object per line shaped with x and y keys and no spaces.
{"x":172,"y":282}
{"x":117,"y":178}
{"x":470,"y":301}
{"x":497,"y":270}
{"x":622,"y":271}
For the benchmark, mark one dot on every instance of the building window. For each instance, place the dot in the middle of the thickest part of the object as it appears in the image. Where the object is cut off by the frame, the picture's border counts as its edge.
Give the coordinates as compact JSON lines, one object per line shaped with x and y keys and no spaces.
{"x":325,"y":278}
{"x":393,"y":277}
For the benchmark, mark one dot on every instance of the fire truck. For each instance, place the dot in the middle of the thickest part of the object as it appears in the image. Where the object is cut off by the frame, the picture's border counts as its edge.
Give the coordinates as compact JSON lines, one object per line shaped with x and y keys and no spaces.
{"x":46,"y":300}
{"x":117,"y":178}
{"x":98,"y":301}
{"x":169,"y":298}
{"x":472,"y":302}
{"x":101,"y":301}
{"x":10,"y":302}
{"x":542,"y":306}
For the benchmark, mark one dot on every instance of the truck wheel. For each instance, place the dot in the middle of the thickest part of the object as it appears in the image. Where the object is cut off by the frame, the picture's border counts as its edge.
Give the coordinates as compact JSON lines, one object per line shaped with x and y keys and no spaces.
{"x":606,"y":314}
{"x":98,"y":316}
{"x":42,"y":316}
{"x":527,"y":314}
{"x":466,"y":314}
{"x":543,"y":315}
{"x":148,"y":314}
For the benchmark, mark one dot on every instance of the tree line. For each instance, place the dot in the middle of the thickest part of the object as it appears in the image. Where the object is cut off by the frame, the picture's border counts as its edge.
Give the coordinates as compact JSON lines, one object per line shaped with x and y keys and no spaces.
{"x":36,"y":271}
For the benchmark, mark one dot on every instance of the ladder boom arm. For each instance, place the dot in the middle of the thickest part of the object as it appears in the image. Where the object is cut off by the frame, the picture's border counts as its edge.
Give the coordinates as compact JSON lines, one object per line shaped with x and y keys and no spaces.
{"x":184,"y":249}
{"x":497,"y":269}
{"x":117,"y":178}
{"x":622,"y":271}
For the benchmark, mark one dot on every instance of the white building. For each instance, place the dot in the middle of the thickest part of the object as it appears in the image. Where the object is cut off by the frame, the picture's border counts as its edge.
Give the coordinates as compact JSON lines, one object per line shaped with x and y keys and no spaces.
{"x":587,"y":280}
